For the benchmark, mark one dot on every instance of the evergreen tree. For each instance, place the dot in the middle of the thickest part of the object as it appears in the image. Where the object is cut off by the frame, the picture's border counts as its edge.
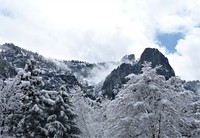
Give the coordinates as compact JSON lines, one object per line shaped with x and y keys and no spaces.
{"x":39,"y":113}
{"x":32,"y":115}
{"x":10,"y":106}
{"x":60,"y":121}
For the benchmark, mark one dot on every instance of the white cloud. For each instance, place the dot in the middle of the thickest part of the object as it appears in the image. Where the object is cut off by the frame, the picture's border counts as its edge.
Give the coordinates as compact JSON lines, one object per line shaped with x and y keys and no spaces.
{"x":98,"y":30}
{"x":186,"y":60}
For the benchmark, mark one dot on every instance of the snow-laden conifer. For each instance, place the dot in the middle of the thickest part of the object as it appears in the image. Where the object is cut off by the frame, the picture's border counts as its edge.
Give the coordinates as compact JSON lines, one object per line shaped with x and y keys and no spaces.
{"x":31,"y":112}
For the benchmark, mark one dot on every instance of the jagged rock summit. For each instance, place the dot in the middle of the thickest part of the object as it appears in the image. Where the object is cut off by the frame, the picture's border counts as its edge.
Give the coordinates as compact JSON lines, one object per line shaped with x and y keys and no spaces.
{"x":116,"y":79}
{"x":154,"y":56}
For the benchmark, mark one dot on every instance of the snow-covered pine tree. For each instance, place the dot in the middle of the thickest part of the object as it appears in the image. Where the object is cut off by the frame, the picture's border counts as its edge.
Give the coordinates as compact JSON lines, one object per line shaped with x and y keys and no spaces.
{"x":10,"y":105}
{"x":32,"y":114}
{"x":39,"y":113}
{"x":60,"y":123}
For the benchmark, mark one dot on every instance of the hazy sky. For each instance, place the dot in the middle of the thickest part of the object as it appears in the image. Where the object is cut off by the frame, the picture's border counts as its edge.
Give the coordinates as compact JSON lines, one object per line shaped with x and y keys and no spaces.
{"x":105,"y":30}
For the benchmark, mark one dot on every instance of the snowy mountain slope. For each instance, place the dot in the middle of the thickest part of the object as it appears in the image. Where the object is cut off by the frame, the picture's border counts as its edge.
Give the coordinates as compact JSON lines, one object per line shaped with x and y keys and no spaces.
{"x":56,"y":72}
{"x":15,"y":57}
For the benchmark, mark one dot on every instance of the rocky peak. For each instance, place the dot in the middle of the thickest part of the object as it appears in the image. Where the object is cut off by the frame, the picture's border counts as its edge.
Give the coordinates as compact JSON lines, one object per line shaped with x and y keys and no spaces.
{"x":156,"y":58}
{"x":116,"y":79}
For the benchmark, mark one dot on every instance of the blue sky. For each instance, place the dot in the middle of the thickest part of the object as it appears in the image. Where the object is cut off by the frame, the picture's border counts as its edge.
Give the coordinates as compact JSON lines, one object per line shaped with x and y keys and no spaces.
{"x":99,"y":30}
{"x":169,"y":40}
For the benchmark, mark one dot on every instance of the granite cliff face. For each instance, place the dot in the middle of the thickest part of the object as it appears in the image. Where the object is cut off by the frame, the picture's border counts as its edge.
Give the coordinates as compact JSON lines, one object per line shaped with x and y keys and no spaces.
{"x":116,"y":79}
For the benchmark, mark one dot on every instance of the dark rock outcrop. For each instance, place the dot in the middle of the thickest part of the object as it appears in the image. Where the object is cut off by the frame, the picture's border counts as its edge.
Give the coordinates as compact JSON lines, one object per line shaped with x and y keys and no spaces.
{"x":156,"y":58}
{"x":116,"y":79}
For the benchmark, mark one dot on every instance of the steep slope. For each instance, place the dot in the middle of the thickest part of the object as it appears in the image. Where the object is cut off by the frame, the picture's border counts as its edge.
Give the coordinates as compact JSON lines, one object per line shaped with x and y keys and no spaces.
{"x":70,"y":73}
{"x":115,"y":80}
{"x":13,"y":57}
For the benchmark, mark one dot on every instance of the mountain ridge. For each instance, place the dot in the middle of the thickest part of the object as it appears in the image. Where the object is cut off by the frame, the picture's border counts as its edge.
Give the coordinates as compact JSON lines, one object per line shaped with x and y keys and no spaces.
{"x":84,"y":73}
